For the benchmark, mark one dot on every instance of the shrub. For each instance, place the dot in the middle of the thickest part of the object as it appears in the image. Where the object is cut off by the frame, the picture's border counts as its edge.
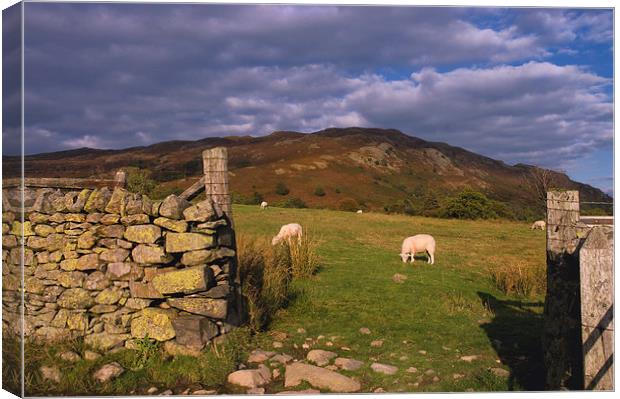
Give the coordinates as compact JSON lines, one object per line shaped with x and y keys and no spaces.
{"x":319,"y":192}
{"x":430,"y":201}
{"x":139,"y":181}
{"x":292,"y":203}
{"x":255,"y":199}
{"x":519,"y":277}
{"x":281,"y":189}
{"x":348,"y":204}
{"x":470,"y":204}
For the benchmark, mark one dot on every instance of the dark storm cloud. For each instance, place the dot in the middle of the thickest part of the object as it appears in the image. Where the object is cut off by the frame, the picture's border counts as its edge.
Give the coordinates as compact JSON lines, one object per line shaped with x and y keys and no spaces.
{"x":11,"y":81}
{"x":116,"y":75}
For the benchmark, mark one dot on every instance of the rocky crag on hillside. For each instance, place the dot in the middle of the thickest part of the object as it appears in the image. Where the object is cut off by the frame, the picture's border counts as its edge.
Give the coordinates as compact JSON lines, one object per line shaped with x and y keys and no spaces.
{"x":114,"y":267}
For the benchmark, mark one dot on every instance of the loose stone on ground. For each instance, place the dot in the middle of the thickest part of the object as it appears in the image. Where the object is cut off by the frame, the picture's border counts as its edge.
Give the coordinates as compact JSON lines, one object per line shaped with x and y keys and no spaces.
{"x":108,"y":371}
{"x":69,"y":356}
{"x":50,"y":373}
{"x":259,"y":356}
{"x":251,"y":378}
{"x":91,"y":355}
{"x":319,"y":378}
{"x":281,"y":358}
{"x":499,"y":372}
{"x":348,"y":364}
{"x":384,"y":368}
{"x":320,"y":357}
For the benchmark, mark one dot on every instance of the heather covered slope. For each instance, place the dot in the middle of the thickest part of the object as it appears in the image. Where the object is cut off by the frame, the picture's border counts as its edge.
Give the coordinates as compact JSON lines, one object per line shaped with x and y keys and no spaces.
{"x":375,"y":167}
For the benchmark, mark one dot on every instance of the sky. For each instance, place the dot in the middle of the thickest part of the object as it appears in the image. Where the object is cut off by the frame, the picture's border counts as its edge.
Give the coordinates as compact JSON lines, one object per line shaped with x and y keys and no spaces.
{"x":523,"y":85}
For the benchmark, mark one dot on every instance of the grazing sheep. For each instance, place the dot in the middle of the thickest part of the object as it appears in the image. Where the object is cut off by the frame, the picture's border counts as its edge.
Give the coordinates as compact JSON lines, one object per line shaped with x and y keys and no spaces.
{"x":263,"y":205}
{"x":359,"y":211}
{"x":287,"y":232}
{"x":539,"y":224}
{"x":418,"y":243}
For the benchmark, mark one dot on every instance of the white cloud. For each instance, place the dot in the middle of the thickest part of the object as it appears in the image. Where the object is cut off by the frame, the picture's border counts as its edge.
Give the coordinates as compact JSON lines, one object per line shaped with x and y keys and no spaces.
{"x":84,"y":141}
{"x":148,"y":74}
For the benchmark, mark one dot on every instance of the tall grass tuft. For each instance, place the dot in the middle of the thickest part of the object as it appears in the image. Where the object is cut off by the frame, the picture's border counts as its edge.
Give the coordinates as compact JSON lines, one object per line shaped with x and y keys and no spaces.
{"x":519,"y":277}
{"x":304,"y":257}
{"x":267,"y":271}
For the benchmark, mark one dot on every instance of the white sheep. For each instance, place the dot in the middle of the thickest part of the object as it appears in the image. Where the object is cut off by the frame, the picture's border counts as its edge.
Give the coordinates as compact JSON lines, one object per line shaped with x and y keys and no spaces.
{"x":539,"y":224}
{"x":288,"y":232}
{"x":263,"y":205}
{"x":418,"y":243}
{"x":359,"y":211}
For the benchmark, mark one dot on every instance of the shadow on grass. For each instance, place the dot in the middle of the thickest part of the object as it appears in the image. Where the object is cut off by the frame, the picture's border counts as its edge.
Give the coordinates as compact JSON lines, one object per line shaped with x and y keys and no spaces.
{"x":515,"y":333}
{"x":11,"y":364}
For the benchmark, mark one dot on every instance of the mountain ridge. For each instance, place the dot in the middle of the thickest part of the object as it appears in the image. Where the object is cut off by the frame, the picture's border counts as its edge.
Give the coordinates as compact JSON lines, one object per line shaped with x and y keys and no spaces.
{"x":375,"y":167}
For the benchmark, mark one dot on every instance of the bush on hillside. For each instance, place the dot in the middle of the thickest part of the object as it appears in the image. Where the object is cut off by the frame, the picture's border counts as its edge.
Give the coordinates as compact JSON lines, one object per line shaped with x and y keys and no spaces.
{"x":255,"y":199}
{"x":319,"y":191}
{"x":281,"y":189}
{"x":470,"y":204}
{"x":292,"y":202}
{"x":430,"y":203}
{"x":349,"y":205}
{"x":405,"y":206}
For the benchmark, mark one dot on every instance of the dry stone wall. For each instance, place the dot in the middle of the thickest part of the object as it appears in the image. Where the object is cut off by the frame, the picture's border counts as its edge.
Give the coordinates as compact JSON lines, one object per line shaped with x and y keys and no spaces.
{"x":112,"y":267}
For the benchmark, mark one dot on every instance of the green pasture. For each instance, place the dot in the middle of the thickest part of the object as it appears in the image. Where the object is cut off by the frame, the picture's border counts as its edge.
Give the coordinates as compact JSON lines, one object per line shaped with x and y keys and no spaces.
{"x":439,"y":314}
{"x":448,"y":310}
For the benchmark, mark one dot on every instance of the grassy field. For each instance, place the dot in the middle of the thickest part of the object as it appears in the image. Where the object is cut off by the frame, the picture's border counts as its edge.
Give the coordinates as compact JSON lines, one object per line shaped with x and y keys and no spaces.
{"x":440,"y":313}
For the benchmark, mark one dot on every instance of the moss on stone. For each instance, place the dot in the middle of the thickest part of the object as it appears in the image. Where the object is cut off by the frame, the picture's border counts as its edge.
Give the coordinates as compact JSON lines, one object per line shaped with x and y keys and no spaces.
{"x":143,"y":234}
{"x":187,"y":281}
{"x":154,"y":323}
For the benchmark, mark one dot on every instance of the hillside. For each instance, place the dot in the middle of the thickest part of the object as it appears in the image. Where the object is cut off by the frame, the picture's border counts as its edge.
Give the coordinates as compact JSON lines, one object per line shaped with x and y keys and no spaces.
{"x":375,"y":167}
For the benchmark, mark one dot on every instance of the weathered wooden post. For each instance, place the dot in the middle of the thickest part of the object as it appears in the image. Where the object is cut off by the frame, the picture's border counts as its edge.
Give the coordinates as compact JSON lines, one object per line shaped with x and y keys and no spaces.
{"x":215,"y":165}
{"x":120,"y":179}
{"x":597,"y":325}
{"x":562,"y":330}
